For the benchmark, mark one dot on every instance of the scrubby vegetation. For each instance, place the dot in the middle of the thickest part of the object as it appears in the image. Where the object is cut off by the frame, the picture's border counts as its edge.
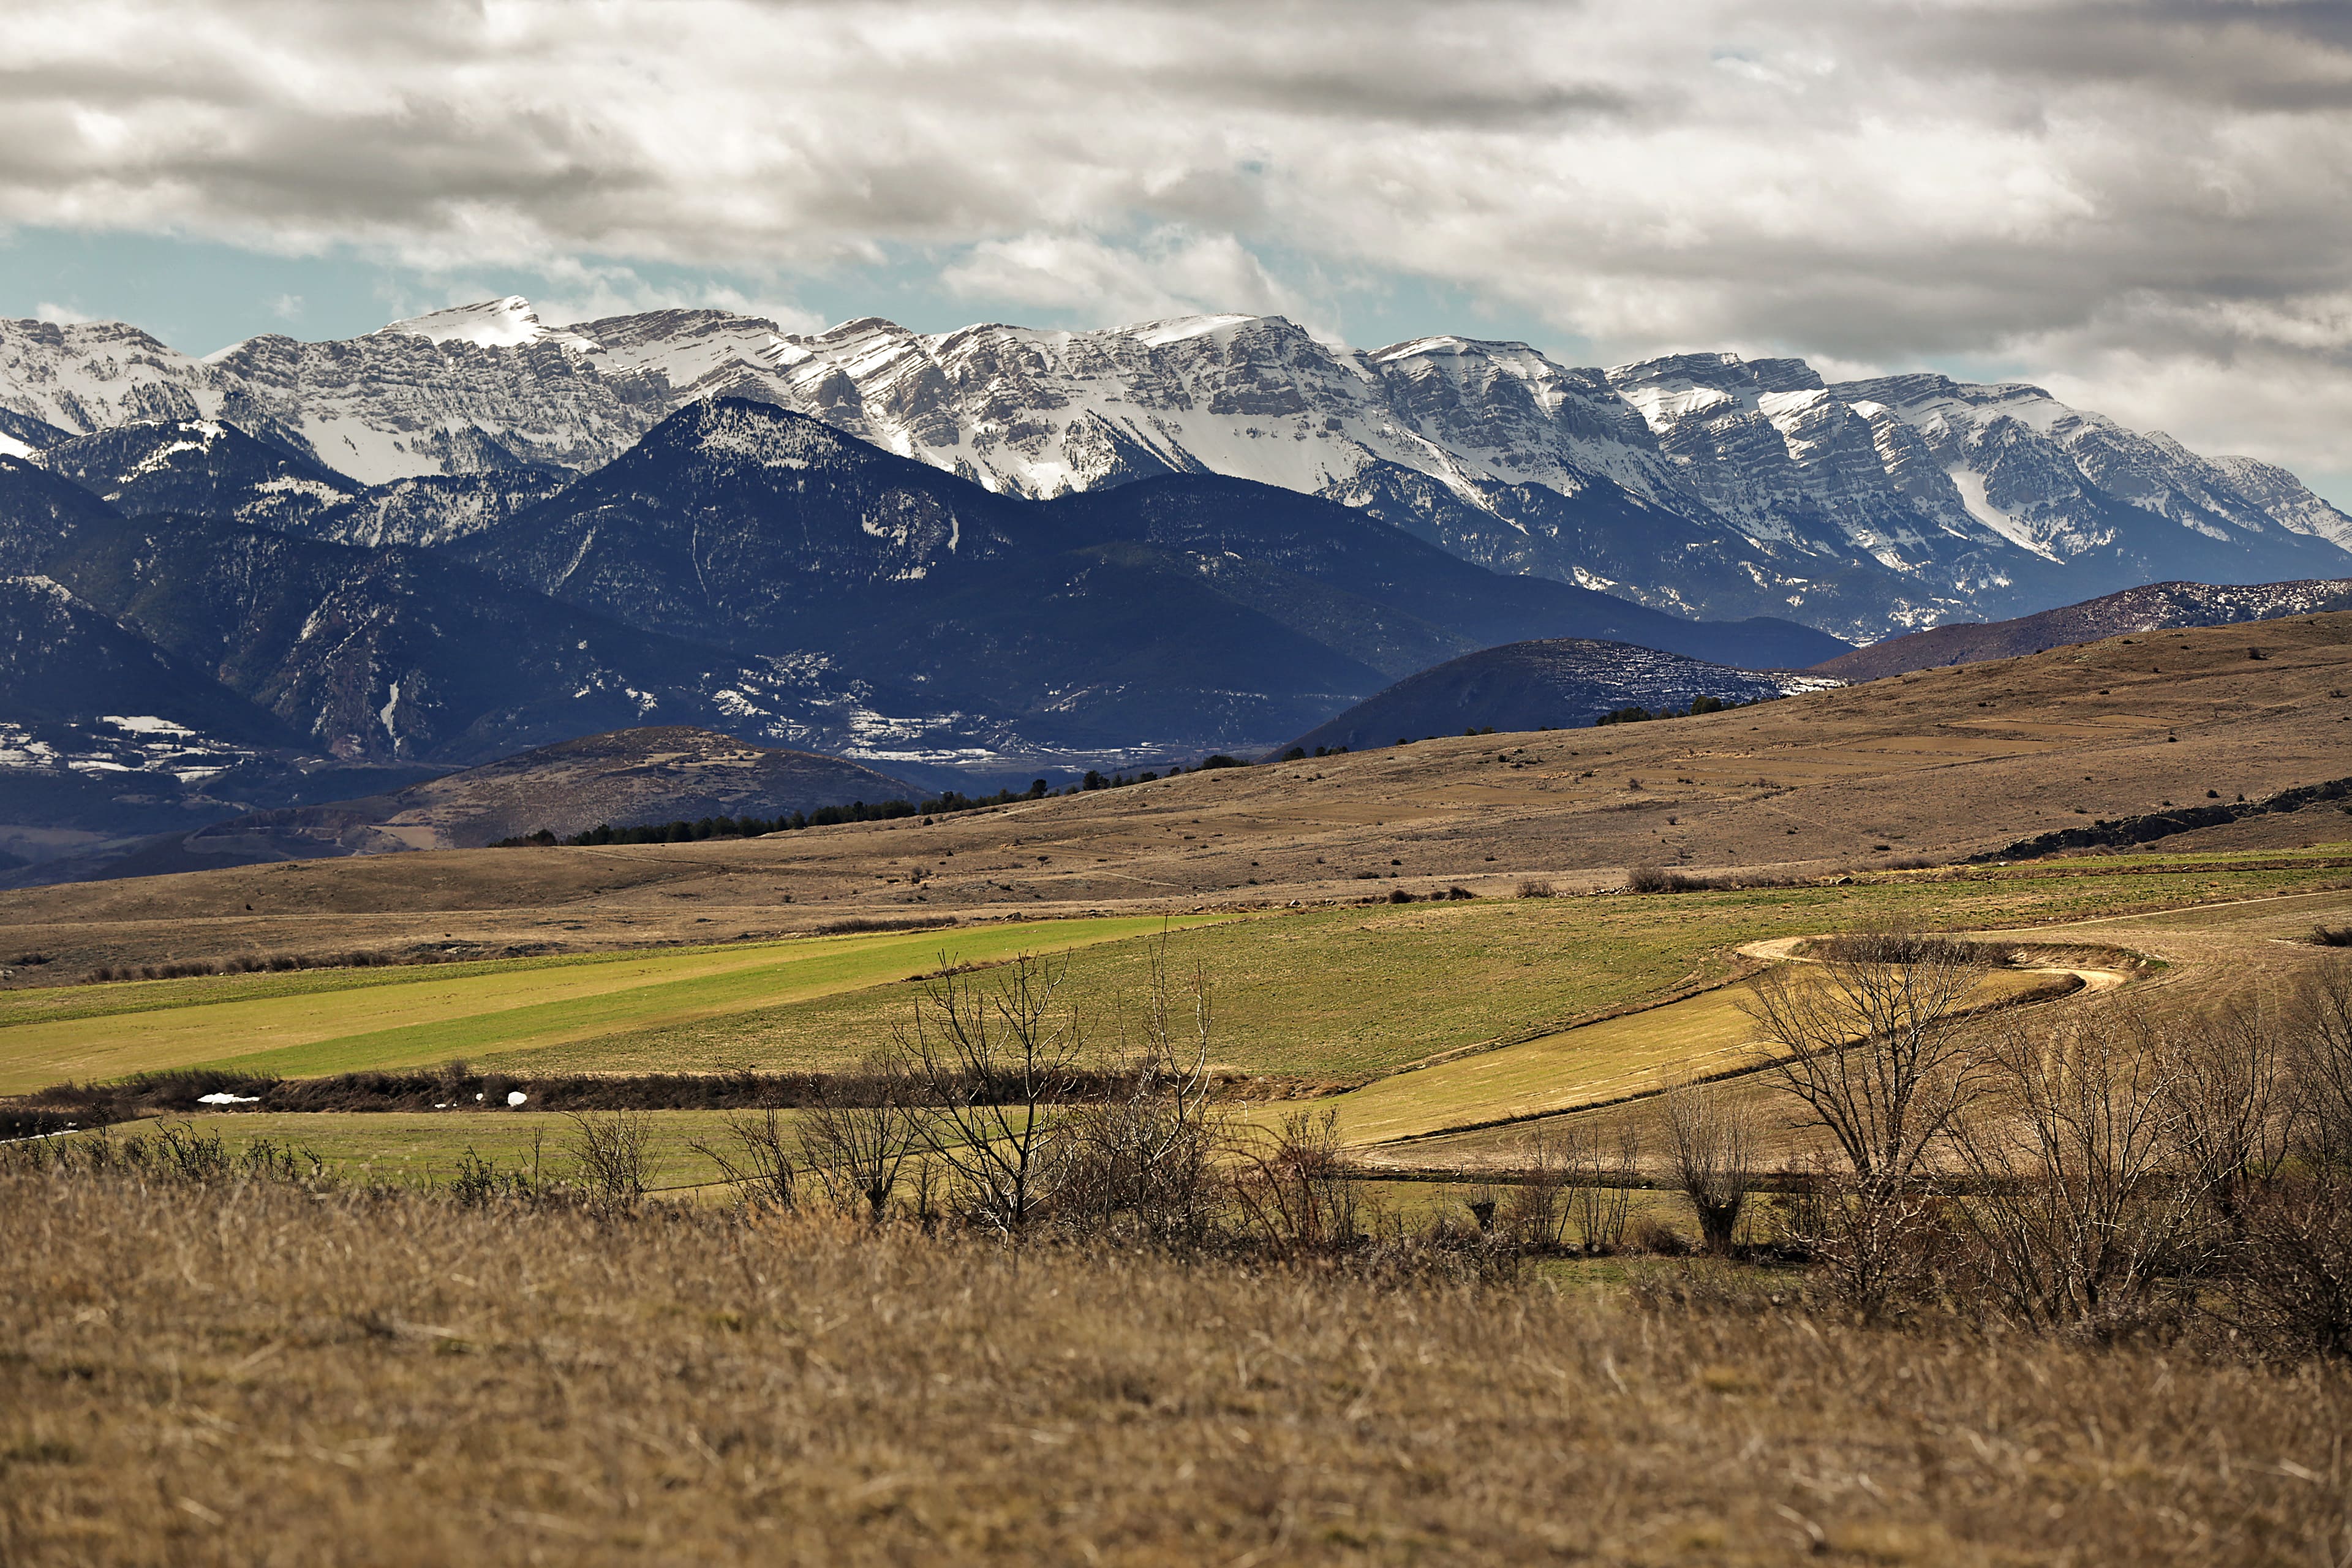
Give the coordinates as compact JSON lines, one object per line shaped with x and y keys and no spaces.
{"x":2147,"y":829}
{"x":682,"y":831}
{"x":305,"y":1373}
{"x":1634,"y":713}
{"x":2070,"y":1283}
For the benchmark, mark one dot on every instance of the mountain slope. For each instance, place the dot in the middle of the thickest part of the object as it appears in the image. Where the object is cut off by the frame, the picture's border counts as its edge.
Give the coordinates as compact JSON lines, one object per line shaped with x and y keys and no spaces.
{"x":1177,"y":611}
{"x":659,"y":773}
{"x":204,"y":466}
{"x":2154,"y":607}
{"x":434,"y":509}
{"x":1555,"y":684}
{"x":1700,"y":484}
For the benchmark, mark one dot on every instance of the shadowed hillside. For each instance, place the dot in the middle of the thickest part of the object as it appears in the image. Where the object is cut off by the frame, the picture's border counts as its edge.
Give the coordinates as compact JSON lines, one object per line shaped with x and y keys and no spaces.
{"x":1938,"y":764}
{"x":2154,"y":607}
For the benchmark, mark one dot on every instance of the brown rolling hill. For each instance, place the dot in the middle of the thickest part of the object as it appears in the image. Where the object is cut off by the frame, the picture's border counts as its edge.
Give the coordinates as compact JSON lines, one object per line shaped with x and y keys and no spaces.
{"x":2153,"y":607}
{"x":658,"y":774}
{"x":1936,"y":765}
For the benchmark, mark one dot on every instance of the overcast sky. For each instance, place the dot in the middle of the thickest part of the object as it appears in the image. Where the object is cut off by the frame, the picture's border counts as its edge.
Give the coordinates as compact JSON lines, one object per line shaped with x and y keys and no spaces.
{"x":2143,"y":208}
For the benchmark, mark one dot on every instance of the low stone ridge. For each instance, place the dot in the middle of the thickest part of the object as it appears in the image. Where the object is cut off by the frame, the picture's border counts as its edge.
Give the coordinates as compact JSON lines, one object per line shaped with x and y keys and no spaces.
{"x":1558,"y":683}
{"x":2156,"y":606}
{"x":2150,"y":826}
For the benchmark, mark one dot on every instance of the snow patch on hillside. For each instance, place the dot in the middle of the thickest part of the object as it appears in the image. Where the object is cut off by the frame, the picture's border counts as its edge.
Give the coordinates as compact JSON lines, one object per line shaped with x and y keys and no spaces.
{"x":503,"y":323}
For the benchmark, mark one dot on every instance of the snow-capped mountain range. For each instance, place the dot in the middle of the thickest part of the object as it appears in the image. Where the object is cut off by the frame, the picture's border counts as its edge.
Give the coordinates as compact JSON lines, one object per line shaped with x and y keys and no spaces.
{"x":1702,"y":484}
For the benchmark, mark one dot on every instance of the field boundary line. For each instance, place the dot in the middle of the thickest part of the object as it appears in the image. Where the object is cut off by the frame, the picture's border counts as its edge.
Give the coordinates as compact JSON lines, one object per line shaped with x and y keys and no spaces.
{"x":2078,"y":984}
{"x":1683,"y":991}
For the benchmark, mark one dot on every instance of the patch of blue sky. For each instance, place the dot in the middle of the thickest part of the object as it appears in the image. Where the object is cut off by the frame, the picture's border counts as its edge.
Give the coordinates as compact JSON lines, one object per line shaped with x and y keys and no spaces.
{"x":201,"y":295}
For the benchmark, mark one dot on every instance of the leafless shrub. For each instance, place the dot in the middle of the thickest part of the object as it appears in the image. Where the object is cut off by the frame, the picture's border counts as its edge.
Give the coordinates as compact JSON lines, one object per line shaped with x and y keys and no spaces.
{"x":1293,"y":1192}
{"x":1146,"y":1160}
{"x":173,"y":1155}
{"x":1536,"y":888}
{"x":1655,"y":1236}
{"x":1533,"y":1211}
{"x":2290,"y":1292}
{"x":2224,"y":1079}
{"x":1712,"y":1146}
{"x":761,"y":1167}
{"x":1656,"y":879}
{"x":2087,"y":1204}
{"x":479,"y":1181}
{"x":1873,"y":1247}
{"x":1602,"y":1182}
{"x":2320,"y":1069}
{"x":990,"y":1066}
{"x":858,"y":1137}
{"x":614,"y":1155}
{"x":1875,"y":1045}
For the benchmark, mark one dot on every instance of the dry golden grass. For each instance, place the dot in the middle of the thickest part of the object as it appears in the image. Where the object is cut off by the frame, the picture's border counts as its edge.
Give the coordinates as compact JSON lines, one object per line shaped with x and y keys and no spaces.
{"x":259,"y":1375}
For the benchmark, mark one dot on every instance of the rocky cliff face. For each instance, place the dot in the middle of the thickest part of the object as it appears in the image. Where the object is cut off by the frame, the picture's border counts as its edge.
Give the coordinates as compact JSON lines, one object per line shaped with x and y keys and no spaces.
{"x":1701,"y":484}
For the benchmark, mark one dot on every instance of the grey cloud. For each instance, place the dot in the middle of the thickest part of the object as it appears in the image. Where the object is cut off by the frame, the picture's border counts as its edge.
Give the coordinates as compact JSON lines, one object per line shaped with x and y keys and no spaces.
{"x":2160,"y":188}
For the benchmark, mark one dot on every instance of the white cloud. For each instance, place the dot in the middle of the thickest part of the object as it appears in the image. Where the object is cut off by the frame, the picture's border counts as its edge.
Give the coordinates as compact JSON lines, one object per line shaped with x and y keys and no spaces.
{"x":287,"y":306}
{"x":58,"y":315}
{"x":2144,"y":202}
{"x":1171,"y":272}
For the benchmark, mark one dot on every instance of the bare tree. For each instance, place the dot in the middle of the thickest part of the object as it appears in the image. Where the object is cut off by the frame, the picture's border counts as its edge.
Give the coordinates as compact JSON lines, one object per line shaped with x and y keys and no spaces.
{"x":2225,"y":1077}
{"x":1534,"y":1212}
{"x":991,"y":1066}
{"x":1712,"y":1143}
{"x":2290,"y":1292}
{"x":1146,"y":1156}
{"x":2090,"y":1176}
{"x":1874,"y":1041}
{"x":1574,"y":1172}
{"x":614,"y":1154}
{"x":858,"y":1135}
{"x":2320,"y":1069}
{"x":1296,"y":1192}
{"x":1602,"y":1177}
{"x":761,"y":1167}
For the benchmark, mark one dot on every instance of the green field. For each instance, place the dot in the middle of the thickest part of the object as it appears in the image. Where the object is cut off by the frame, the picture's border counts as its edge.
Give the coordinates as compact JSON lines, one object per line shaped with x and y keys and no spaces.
{"x":1640,"y":1053}
{"x":1348,"y":994}
{"x":418,"y":1147}
{"x":1352,"y":993}
{"x":420,"y":1017}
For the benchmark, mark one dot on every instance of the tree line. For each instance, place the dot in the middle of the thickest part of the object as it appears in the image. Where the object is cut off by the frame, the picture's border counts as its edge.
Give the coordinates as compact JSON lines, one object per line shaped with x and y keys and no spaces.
{"x":683,"y":830}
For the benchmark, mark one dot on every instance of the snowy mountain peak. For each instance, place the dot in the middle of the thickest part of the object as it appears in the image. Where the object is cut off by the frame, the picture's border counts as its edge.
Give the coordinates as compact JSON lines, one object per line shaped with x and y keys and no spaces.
{"x":1178,"y":328}
{"x":1703,"y":483}
{"x":504,"y":324}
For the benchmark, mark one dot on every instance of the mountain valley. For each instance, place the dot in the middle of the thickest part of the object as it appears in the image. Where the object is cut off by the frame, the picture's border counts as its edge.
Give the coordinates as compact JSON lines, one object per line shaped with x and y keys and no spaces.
{"x":1925,"y":768}
{"x":295,"y":573}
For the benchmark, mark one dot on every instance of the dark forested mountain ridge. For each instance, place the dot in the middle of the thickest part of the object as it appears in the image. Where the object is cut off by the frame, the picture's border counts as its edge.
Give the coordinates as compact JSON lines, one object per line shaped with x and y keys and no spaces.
{"x":1551,"y":684}
{"x":1703,"y":484}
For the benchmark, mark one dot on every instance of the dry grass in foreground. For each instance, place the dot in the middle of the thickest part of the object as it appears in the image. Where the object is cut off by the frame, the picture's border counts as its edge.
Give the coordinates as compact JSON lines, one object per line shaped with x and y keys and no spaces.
{"x":259,"y":1373}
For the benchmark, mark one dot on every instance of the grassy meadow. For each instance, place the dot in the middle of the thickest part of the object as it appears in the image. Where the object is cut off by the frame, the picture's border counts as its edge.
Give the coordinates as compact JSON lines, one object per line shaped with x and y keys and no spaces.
{"x":1355,"y":991}
{"x":418,"y":1017}
{"x":1501,"y":1008}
